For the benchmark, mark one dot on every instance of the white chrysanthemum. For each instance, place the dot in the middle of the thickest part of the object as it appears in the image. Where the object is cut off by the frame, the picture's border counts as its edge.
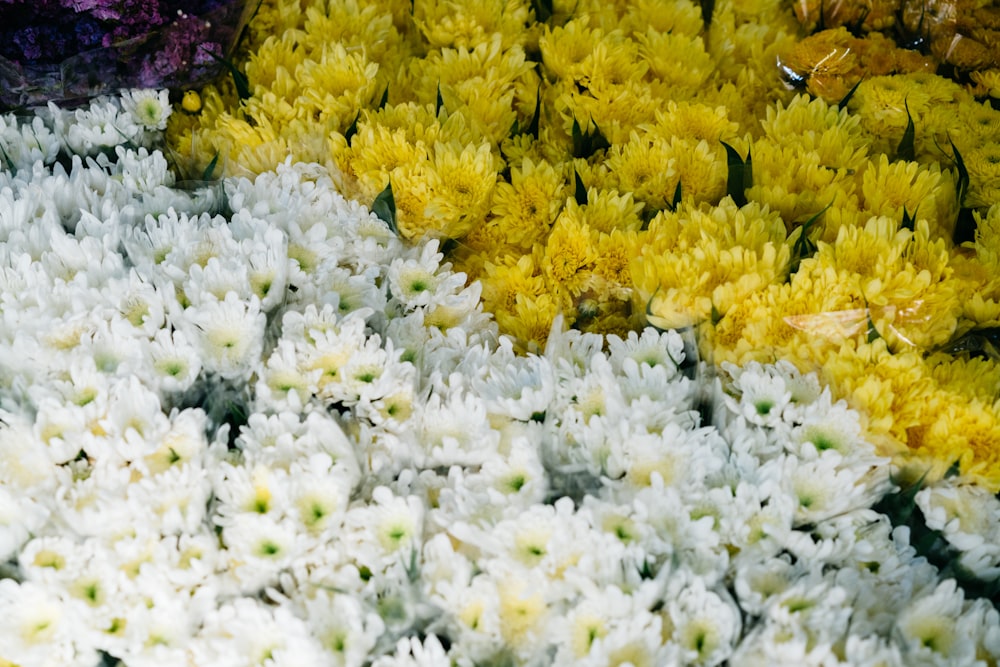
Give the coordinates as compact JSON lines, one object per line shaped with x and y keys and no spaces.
{"x":247,"y":631}
{"x":652,"y":348}
{"x":454,"y":430}
{"x":258,"y":547}
{"x":516,"y":387}
{"x":932,"y":629}
{"x":39,"y":627}
{"x":706,"y":624}
{"x":761,"y":394}
{"x":142,"y":171}
{"x":829,"y":485}
{"x":412,"y":652}
{"x":172,"y":362}
{"x":229,"y":334}
{"x":344,"y":628}
{"x":967,"y":515}
{"x":99,"y":126}
{"x":149,"y":109}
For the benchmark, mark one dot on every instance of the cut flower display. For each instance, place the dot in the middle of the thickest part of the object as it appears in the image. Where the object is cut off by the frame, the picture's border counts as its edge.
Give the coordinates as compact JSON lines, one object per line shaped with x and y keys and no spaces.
{"x":507,"y":333}
{"x":653,"y":163}
{"x":258,"y":427}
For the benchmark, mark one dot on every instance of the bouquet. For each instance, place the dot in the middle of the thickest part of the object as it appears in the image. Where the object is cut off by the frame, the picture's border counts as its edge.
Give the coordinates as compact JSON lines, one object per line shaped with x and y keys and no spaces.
{"x":65,"y":50}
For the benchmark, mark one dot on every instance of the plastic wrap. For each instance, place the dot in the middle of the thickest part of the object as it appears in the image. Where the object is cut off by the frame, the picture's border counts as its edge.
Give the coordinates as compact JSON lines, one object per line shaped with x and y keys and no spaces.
{"x":49,"y":52}
{"x":866,"y":38}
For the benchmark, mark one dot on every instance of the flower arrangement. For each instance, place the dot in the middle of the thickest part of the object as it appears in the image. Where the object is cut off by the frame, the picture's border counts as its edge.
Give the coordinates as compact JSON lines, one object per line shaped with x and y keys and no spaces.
{"x":634,"y":163}
{"x":263,"y":429}
{"x":66,"y":50}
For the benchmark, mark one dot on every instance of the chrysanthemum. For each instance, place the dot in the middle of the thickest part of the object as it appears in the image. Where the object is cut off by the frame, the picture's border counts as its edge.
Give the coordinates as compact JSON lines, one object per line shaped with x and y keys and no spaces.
{"x":526,"y":207}
{"x":644,"y":167}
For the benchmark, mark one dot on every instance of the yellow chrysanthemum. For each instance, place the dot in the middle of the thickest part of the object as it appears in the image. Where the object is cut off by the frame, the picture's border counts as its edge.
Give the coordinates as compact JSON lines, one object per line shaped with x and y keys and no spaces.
{"x":375,"y":153}
{"x":503,"y":282}
{"x":682,"y":17}
{"x":882,"y":103}
{"x":466,"y":23}
{"x":679,"y":62}
{"x":645,"y":167}
{"x":366,"y":26}
{"x":607,"y":210}
{"x":694,"y":120}
{"x":569,"y":254}
{"x":814,"y":125}
{"x":923,"y":191}
{"x":462,"y":183}
{"x":336,"y":85}
{"x":983,"y":163}
{"x":565,"y":48}
{"x":526,"y":207}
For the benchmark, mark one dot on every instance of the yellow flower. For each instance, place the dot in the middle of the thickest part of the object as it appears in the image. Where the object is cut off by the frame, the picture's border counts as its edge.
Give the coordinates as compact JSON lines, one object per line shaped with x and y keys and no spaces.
{"x":988,"y":80}
{"x":682,"y":17}
{"x":968,"y":432}
{"x":615,"y":251}
{"x":814,"y":125}
{"x":983,"y":163}
{"x":356,"y":25}
{"x":336,"y":85}
{"x":466,"y":23}
{"x":463,"y":181}
{"x":891,"y":187}
{"x":694,"y":120}
{"x":607,"y":210}
{"x":271,"y":65}
{"x":569,"y":253}
{"x":530,"y":321}
{"x":565,"y":48}
{"x":503,"y":282}
{"x":678,"y":61}
{"x":882,"y":103}
{"x":526,"y":207}
{"x":645,"y":167}
{"x":376,"y":151}
{"x":701,"y":169}
{"x":979,"y":121}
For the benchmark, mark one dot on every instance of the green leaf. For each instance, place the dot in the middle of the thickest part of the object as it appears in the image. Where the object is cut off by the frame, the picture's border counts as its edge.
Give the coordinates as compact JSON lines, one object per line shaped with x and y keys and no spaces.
{"x":439,"y":103}
{"x":707,"y":9}
{"x":240,"y":79}
{"x":907,"y":150}
{"x":352,"y":129}
{"x":586,"y":144}
{"x":678,"y":194}
{"x":954,"y":470}
{"x":581,"y":190}
{"x":384,"y":99}
{"x":965,"y":223}
{"x":384,"y":207}
{"x":804,"y":246}
{"x":873,"y":334}
{"x":842,"y":104}
{"x":908,"y":219}
{"x":965,"y":226}
{"x":535,"y":119}
{"x":962,"y":186}
{"x":740,"y":175}
{"x":210,"y":169}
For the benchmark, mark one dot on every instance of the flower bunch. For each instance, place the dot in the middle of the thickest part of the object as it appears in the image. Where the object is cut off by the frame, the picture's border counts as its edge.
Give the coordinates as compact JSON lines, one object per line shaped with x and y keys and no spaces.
{"x":279,"y":434}
{"x":68,"y":49}
{"x":633,"y":164}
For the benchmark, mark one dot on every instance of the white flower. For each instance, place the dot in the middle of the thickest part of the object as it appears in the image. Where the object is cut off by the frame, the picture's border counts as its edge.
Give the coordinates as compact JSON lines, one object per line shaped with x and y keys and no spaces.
{"x":229,"y":334}
{"x":706,"y":624}
{"x":247,"y":631}
{"x":172,"y":362}
{"x":967,"y":514}
{"x":761,"y":395}
{"x":411,"y":652}
{"x":149,"y":109}
{"x":343,"y":626}
{"x":932,"y":629}
{"x":258,"y":547}
{"x":39,"y":628}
